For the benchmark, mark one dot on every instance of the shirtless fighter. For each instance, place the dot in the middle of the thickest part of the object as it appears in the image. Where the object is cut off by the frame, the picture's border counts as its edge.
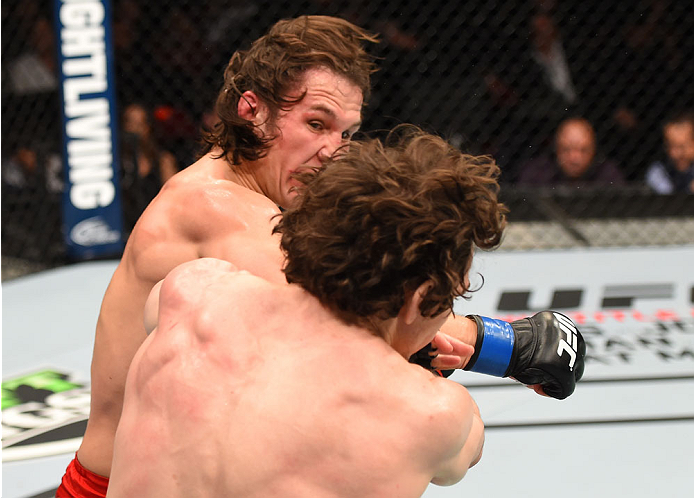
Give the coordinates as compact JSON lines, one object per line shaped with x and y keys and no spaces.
{"x":286,"y":103}
{"x":249,"y":388}
{"x":289,"y":101}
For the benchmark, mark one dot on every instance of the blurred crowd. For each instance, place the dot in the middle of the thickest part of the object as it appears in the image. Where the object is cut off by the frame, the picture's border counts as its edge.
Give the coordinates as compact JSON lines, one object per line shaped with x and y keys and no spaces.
{"x":583,"y":94}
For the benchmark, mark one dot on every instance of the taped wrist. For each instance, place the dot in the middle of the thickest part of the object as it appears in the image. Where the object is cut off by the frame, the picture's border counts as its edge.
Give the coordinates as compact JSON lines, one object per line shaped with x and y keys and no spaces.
{"x":493,"y":347}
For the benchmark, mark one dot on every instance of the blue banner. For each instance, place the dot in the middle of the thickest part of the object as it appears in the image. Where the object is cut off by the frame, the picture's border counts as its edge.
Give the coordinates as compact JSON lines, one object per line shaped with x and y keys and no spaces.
{"x":92,"y":214}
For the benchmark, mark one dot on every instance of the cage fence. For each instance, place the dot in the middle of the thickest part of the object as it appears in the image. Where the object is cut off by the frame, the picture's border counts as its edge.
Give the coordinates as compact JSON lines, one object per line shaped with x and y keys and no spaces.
{"x":495,"y":77}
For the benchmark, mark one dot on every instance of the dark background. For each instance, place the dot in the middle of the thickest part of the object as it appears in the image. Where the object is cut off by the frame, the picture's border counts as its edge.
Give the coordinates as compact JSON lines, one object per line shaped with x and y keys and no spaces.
{"x":463,"y":69}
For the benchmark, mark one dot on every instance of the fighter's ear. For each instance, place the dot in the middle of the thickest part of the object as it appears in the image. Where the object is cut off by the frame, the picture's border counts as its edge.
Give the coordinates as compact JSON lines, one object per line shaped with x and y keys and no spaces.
{"x":413,"y":302}
{"x":251,"y":108}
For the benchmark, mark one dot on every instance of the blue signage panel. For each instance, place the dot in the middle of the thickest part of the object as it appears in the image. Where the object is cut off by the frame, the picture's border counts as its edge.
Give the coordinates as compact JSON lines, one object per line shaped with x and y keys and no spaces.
{"x":92,"y":214}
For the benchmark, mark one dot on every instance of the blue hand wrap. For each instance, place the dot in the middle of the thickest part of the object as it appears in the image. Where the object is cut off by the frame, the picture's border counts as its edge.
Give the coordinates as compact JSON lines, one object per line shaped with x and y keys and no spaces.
{"x":497,"y":346}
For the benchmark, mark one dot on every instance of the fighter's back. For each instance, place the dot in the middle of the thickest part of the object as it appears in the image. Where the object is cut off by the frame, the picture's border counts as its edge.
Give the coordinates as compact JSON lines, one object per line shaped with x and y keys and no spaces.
{"x":198,"y":213}
{"x":251,"y":389}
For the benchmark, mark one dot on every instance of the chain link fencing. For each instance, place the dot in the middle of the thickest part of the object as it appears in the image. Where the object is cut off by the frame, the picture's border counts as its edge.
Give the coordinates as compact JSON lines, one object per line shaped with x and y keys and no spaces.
{"x":493,"y":77}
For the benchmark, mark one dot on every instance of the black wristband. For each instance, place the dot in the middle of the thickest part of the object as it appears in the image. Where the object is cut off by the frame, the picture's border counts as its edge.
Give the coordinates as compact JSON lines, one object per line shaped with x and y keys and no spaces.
{"x":478,"y":341}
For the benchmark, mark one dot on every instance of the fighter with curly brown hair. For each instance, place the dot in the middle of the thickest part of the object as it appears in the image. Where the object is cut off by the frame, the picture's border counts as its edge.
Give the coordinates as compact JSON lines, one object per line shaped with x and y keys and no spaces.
{"x":251,"y":388}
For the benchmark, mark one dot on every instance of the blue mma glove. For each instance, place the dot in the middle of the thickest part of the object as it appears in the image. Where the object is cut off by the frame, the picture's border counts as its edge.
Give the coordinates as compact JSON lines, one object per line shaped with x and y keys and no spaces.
{"x":545,"y":349}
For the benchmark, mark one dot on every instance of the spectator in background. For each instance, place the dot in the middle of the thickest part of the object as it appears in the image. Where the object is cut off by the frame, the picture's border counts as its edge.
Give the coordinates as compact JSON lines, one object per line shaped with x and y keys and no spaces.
{"x":646,"y":76}
{"x":534,"y":84}
{"x":32,"y":173}
{"x":31,"y":89}
{"x":33,"y":169}
{"x":32,"y":186}
{"x":145,"y":165}
{"x":676,"y":172}
{"x":574,"y":162}
{"x":34,"y":70}
{"x":547,"y":51}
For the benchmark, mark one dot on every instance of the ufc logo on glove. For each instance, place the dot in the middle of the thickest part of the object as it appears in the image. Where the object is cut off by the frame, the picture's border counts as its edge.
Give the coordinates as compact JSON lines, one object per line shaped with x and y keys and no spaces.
{"x":571,"y":347}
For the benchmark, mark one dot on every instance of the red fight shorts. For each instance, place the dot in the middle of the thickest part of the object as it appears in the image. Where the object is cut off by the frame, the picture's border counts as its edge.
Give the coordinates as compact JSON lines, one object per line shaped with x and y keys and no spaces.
{"x":78,"y":482}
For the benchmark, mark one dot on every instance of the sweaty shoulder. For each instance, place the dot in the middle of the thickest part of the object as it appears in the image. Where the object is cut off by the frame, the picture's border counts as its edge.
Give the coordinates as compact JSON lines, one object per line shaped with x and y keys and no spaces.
{"x":196,"y":209}
{"x":202,"y":200}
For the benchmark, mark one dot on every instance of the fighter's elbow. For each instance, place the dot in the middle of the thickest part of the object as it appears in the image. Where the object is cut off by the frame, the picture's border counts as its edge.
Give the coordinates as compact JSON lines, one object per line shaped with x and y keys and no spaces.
{"x":448,"y":480}
{"x":476,"y":460}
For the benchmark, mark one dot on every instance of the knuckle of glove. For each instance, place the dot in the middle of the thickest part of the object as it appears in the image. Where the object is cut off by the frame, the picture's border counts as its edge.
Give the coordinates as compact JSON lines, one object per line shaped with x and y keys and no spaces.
{"x":580,"y":360}
{"x":532,"y":376}
{"x":558,"y":392}
{"x":552,"y":362}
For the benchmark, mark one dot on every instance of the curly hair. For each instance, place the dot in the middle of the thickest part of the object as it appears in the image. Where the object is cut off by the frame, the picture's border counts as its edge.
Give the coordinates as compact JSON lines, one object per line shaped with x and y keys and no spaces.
{"x":380,"y":219}
{"x":274,"y":65}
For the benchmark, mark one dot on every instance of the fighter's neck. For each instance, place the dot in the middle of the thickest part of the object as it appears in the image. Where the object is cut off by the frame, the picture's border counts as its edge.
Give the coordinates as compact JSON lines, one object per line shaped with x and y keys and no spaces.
{"x":242,"y":174}
{"x":389,"y":331}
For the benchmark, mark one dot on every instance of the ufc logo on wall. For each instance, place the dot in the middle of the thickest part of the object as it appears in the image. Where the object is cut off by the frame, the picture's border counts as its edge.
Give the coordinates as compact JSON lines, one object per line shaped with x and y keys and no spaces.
{"x":611,"y":296}
{"x":570,"y":344}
